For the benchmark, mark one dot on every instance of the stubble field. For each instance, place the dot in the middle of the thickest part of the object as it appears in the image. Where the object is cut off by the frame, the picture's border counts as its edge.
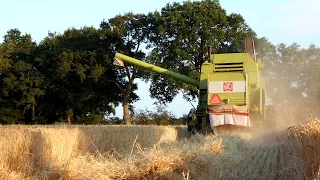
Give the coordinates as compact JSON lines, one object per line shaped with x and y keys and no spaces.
{"x":155,"y":152}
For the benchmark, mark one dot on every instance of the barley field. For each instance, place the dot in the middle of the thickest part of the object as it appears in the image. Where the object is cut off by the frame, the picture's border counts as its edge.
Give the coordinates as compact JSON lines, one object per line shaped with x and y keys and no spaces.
{"x":155,"y":152}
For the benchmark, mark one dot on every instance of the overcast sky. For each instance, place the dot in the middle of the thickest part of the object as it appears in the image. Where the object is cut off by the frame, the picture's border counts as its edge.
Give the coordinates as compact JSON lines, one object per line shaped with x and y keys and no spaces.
{"x":281,"y":21}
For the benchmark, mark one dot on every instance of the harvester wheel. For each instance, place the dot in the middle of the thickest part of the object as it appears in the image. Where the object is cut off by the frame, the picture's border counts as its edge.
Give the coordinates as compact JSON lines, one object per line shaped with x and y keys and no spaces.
{"x":196,"y":126}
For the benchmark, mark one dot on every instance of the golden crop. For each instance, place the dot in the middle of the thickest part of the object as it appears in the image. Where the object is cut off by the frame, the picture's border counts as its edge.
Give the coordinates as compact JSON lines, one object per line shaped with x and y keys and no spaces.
{"x":163,"y":152}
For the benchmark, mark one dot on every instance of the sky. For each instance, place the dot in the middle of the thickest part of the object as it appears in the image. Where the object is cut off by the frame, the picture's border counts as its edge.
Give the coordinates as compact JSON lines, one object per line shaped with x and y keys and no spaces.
{"x":281,"y":21}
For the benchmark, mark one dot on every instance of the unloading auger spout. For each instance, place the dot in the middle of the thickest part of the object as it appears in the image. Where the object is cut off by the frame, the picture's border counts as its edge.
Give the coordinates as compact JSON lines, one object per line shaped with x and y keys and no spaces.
{"x":121,"y":57}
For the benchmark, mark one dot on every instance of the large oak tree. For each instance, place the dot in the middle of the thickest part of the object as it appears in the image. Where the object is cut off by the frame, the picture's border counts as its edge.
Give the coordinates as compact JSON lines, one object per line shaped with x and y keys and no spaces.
{"x":181,"y":36}
{"x":78,"y":67}
{"x":127,"y":34}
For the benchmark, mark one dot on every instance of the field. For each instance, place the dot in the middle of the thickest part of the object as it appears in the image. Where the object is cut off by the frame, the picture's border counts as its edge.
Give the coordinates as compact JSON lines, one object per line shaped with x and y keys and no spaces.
{"x":155,"y":152}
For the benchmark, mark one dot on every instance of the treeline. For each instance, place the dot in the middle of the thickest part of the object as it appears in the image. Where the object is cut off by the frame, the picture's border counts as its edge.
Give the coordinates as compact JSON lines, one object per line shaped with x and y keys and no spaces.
{"x":161,"y":116}
{"x":70,"y":77}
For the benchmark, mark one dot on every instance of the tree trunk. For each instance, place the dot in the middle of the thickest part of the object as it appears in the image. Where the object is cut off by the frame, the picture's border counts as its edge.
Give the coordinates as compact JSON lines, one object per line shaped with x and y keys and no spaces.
{"x":126,"y":115}
{"x":126,"y":95}
{"x":69,"y":120}
{"x":33,"y":115}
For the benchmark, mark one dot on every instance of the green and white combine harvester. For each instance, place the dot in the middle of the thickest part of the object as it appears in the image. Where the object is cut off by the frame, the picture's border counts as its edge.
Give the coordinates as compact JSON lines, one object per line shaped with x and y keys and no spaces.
{"x":232,"y":91}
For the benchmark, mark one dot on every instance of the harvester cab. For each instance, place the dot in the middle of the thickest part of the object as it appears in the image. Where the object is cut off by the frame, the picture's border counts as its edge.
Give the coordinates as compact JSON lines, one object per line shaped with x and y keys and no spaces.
{"x":231,"y":89}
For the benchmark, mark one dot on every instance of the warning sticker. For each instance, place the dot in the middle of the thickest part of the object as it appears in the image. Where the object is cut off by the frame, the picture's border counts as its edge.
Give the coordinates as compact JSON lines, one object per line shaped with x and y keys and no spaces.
{"x":215,"y":99}
{"x":227,"y":86}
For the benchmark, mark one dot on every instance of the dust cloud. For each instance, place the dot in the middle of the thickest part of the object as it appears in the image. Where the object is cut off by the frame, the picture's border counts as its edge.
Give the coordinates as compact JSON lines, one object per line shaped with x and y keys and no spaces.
{"x":288,"y":107}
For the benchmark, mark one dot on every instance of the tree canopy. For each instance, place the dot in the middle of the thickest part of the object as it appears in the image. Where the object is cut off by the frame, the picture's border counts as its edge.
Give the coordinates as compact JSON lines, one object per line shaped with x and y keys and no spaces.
{"x":292,"y":77}
{"x":182,"y":34}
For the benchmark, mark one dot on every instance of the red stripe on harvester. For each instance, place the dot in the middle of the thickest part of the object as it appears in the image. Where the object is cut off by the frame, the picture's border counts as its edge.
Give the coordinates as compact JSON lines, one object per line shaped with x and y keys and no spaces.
{"x":221,"y":111}
{"x":239,"y":114}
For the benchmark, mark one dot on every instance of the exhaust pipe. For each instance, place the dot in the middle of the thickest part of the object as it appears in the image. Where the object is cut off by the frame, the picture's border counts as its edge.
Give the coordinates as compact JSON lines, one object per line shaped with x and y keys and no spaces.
{"x":209,"y":53}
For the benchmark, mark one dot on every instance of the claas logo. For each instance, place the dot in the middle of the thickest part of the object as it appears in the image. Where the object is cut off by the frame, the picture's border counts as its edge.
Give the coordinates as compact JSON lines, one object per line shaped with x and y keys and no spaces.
{"x":227,"y":86}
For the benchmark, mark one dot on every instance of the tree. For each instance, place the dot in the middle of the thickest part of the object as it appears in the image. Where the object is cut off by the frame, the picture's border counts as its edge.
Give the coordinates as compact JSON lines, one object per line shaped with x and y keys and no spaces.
{"x":127,"y":33}
{"x":308,"y":82}
{"x":282,"y":71}
{"x":77,"y":67}
{"x":21,"y":81}
{"x":180,"y":37}
{"x":291,"y":74}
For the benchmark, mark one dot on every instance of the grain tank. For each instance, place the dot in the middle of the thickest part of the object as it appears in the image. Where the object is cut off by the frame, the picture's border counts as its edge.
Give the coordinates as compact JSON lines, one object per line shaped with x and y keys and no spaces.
{"x":231,"y":89}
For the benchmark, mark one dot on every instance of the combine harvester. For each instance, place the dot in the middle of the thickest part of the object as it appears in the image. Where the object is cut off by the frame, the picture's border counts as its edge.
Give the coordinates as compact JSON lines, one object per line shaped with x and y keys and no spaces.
{"x":231,"y":89}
